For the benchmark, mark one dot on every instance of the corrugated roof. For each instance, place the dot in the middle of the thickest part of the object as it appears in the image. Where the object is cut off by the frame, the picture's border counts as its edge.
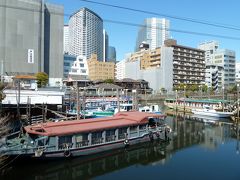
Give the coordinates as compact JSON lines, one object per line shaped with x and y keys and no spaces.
{"x":90,"y":125}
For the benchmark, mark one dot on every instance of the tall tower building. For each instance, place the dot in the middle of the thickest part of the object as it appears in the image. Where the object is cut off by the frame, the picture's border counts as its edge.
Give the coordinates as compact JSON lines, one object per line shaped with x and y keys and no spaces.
{"x":154,"y":32}
{"x":105,"y":45}
{"x":112,"y":53}
{"x":31,"y":38}
{"x":66,"y":39}
{"x":86,"y":34}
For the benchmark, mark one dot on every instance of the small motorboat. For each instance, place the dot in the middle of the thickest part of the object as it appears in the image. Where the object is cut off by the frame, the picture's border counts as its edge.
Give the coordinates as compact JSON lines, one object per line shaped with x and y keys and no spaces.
{"x":206,"y":111}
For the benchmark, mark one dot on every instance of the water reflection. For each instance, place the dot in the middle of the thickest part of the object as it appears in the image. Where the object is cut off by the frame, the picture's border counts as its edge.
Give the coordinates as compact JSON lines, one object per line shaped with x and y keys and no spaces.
{"x":187,"y":132}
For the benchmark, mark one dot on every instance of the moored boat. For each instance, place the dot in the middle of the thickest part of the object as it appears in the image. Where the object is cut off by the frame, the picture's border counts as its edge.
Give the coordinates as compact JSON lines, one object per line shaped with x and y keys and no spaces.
{"x":206,"y":111}
{"x":84,"y":137}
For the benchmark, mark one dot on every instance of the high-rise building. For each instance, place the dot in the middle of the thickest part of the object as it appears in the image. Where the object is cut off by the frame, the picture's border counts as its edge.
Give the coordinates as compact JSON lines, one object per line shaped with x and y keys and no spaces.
{"x":66,"y":39}
{"x":31,"y":38}
{"x":112,"y":54}
{"x":105,"y":46}
{"x":154,"y":32}
{"x":86,"y":34}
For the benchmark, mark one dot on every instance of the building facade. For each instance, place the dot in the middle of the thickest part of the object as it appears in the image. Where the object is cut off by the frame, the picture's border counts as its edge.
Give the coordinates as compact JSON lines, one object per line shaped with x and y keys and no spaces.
{"x":167,"y":67}
{"x":86,"y":34}
{"x":66,"y":39}
{"x":227,"y":59}
{"x":220,"y":58}
{"x":188,"y":64}
{"x":238,"y":72}
{"x":67,"y":64}
{"x":154,"y":32}
{"x":120,"y":69}
{"x":105,"y":46}
{"x":214,"y":77}
{"x":79,"y":68}
{"x":31,"y":41}
{"x":112,"y":54}
{"x":100,"y":70}
{"x":210,"y":48}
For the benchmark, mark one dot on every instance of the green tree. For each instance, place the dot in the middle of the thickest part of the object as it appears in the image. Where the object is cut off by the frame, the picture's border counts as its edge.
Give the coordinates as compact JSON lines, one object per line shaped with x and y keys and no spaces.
{"x":42,"y":79}
{"x":111,"y":81}
{"x":2,"y":96}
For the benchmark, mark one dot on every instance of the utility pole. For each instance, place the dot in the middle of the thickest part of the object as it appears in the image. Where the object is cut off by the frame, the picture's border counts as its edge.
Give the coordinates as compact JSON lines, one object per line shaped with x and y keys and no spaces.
{"x":78,"y":107}
{"x":184,"y":98}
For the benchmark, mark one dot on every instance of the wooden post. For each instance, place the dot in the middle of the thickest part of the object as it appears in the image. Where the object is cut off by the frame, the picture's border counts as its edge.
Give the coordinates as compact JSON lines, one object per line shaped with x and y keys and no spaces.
{"x":78,"y":107}
{"x":118,"y":101}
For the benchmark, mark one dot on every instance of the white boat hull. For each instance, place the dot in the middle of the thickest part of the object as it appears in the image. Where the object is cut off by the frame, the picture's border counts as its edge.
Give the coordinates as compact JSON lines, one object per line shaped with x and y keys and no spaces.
{"x":212,"y":114}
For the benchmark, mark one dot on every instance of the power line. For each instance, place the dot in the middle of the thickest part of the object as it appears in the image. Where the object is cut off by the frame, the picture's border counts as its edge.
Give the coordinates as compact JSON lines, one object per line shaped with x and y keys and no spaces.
{"x":204,"y":22}
{"x":132,"y":24}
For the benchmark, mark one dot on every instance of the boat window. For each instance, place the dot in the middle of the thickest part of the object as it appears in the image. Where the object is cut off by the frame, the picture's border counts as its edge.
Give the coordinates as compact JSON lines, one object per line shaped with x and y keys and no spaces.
{"x":122,"y":132}
{"x":151,"y":122}
{"x":142,"y":127}
{"x":81,"y":140}
{"x":97,"y":137}
{"x":65,"y":142}
{"x":110,"y":135}
{"x":133,"y":128}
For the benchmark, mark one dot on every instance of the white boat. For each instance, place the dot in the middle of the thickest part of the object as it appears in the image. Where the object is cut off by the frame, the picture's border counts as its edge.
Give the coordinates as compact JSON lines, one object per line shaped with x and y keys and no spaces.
{"x":154,"y":108}
{"x":206,"y":111}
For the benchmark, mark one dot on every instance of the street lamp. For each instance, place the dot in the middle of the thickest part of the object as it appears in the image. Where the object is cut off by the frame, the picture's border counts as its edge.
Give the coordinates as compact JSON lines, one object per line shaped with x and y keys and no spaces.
{"x":200,"y":89}
{"x":184,"y":98}
{"x":237,"y":103}
{"x":176,"y":99}
{"x":223,"y":98}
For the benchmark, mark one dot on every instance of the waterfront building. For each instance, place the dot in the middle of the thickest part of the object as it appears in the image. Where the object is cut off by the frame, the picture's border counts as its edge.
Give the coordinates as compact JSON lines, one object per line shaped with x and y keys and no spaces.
{"x":99,"y":70}
{"x":214,"y":76}
{"x":31,"y":38}
{"x":238,"y":72}
{"x":167,"y":66}
{"x":120,"y":69}
{"x":154,"y":32}
{"x":79,"y":68}
{"x":105,"y":45}
{"x":112,"y":54}
{"x":86,"y":33}
{"x":67,"y":64}
{"x":210,"y":48}
{"x":221,"y":57}
{"x":226,"y":58}
{"x":66,"y":39}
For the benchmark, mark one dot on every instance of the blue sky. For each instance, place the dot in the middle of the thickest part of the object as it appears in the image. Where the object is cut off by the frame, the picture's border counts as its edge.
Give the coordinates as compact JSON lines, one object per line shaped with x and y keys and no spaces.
{"x":123,"y":37}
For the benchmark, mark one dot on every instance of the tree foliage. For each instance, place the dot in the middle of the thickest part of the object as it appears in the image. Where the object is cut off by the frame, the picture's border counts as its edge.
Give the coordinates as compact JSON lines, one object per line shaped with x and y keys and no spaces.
{"x":2,"y":96}
{"x":111,"y":81}
{"x":42,"y":79}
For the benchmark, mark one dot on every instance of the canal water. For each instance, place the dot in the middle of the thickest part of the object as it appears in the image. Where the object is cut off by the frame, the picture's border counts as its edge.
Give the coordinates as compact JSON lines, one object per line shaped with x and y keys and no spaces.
{"x":199,"y":149}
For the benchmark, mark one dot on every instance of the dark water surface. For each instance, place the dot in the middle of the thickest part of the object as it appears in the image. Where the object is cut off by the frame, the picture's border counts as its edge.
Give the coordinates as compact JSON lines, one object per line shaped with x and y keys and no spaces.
{"x":198,"y":150}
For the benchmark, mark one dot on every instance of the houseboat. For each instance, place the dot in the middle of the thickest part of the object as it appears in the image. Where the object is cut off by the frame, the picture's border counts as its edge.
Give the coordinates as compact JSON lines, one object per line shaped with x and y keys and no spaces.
{"x":66,"y":139}
{"x":195,"y":103}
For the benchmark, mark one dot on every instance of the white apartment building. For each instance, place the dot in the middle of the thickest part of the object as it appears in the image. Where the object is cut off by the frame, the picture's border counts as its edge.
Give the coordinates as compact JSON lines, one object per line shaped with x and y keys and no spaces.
{"x":210,"y":48}
{"x":154,"y":32}
{"x":86,"y":34}
{"x":220,"y":58}
{"x":80,"y":68}
{"x":66,"y":39}
{"x":214,"y":76}
{"x":226,"y":59}
{"x":120,"y":69}
{"x":238,"y":72}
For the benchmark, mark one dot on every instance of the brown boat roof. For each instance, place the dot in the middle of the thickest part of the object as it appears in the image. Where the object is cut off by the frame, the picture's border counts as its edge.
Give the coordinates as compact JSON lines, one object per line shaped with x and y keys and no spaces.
{"x":121,"y":119}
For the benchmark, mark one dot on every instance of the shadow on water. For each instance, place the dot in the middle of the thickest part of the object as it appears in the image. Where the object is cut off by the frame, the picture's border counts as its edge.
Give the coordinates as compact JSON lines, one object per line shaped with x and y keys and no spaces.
{"x":187,"y":133}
